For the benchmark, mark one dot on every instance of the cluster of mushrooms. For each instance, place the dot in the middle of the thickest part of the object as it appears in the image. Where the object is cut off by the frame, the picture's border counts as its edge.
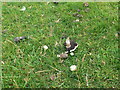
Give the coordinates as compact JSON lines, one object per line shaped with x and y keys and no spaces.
{"x":70,"y":46}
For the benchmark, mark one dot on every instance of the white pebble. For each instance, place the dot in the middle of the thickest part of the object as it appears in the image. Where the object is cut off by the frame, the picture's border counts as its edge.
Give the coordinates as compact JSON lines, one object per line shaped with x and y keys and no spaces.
{"x":73,"y":68}
{"x":45,"y":47}
{"x":77,"y":20}
{"x":71,"y":53}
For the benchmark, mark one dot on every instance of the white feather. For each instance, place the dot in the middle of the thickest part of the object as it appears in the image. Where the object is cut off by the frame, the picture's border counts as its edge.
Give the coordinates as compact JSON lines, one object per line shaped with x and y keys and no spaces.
{"x":23,"y":8}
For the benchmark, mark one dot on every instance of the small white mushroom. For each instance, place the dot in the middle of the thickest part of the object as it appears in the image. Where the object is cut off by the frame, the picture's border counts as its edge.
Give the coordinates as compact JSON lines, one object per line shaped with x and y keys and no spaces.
{"x":73,"y":68}
{"x":45,"y":47}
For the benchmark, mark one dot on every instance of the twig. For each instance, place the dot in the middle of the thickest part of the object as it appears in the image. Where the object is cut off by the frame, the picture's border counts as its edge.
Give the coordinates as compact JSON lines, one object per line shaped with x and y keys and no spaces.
{"x":55,"y":68}
{"x":11,"y":42}
{"x":16,"y":84}
{"x":61,"y":84}
{"x":79,"y":85}
{"x":83,"y":58}
{"x":42,"y":71}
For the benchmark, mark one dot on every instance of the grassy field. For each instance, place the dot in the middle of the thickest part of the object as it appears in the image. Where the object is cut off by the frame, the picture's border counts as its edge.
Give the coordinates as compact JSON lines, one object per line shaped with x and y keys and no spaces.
{"x":28,"y":65}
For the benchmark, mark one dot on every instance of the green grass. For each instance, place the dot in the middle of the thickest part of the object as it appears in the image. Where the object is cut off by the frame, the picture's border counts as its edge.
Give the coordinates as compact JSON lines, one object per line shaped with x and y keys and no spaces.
{"x":95,"y":33}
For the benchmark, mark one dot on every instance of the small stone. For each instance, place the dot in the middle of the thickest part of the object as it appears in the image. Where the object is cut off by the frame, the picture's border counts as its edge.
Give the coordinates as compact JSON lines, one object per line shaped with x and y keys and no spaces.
{"x":45,"y":47}
{"x":73,"y":68}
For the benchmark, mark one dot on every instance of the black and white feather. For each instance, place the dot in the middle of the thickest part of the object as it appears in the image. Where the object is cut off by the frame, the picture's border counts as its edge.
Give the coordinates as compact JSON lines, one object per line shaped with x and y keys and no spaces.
{"x":70,"y":45}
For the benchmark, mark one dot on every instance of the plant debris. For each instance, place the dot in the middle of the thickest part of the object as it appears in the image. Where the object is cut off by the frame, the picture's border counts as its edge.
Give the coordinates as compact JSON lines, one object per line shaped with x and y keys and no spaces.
{"x":4,"y":31}
{"x":86,"y":4}
{"x":79,"y":15}
{"x":87,"y":10}
{"x":75,"y":14}
{"x":18,"y":39}
{"x":52,"y":77}
{"x":63,"y":55}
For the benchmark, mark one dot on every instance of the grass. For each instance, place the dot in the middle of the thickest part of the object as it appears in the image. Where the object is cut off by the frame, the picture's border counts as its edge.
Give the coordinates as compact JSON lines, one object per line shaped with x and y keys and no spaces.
{"x":28,"y":65}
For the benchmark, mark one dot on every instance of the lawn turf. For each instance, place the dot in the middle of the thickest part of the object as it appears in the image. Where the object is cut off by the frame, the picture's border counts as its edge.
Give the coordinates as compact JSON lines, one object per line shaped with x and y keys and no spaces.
{"x":27,"y":64}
